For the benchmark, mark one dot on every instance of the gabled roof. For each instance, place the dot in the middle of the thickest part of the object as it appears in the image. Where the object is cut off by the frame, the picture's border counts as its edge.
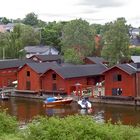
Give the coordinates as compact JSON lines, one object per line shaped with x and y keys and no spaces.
{"x":135,"y":59}
{"x":47,"y":57}
{"x":97,"y":59}
{"x":42,"y":67}
{"x":80,"y":70}
{"x":128,"y":68}
{"x":13,"y":63}
{"x":38,"y":49}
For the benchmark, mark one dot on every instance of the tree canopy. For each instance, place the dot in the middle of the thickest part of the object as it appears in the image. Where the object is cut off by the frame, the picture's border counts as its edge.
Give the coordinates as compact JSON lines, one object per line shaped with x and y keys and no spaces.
{"x":116,"y":40}
{"x":78,"y":38}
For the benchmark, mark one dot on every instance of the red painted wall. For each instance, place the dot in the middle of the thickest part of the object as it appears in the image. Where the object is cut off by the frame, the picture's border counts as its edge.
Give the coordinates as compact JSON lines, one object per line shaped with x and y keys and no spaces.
{"x":128,"y":83}
{"x":33,"y":78}
{"x":7,"y":76}
{"x":64,"y":85}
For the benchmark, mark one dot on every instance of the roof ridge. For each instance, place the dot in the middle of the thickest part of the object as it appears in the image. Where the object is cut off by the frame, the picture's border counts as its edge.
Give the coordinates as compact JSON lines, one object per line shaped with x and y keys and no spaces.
{"x":131,"y":66}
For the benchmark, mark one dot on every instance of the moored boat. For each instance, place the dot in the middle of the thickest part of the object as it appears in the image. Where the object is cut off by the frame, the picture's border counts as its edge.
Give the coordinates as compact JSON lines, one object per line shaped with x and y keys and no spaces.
{"x":84,"y":104}
{"x":54,"y":101}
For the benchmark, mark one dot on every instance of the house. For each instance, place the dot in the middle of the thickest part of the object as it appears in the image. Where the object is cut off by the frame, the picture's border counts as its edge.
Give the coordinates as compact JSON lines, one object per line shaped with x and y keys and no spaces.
{"x":135,"y":59}
{"x":95,"y":60}
{"x":39,"y":50}
{"x":46,"y":58}
{"x":123,"y":80}
{"x":7,"y":28}
{"x":8,"y":71}
{"x":51,"y":77}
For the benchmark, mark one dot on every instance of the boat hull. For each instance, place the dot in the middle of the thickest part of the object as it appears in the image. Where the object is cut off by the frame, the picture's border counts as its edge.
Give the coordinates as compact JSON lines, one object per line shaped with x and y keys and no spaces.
{"x":58,"y":102}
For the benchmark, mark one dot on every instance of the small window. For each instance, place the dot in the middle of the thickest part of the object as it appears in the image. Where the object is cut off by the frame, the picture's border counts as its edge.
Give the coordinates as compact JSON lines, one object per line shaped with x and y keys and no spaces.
{"x":54,"y":76}
{"x":28,"y":73}
{"x":28,"y":85}
{"x":117,"y":91}
{"x":117,"y":77}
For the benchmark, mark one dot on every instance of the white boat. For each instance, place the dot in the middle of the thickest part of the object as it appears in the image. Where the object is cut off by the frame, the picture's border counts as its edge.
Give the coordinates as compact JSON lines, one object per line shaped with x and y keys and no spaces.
{"x":84,"y":104}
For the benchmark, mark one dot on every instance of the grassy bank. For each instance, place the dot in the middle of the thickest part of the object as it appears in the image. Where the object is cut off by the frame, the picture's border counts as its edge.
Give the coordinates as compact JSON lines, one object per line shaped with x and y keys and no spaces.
{"x":68,"y":128}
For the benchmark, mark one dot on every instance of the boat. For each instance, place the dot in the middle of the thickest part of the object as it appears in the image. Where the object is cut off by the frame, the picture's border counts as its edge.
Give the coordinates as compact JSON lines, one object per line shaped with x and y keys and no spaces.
{"x":4,"y":97}
{"x":84,"y":104}
{"x":54,"y":101}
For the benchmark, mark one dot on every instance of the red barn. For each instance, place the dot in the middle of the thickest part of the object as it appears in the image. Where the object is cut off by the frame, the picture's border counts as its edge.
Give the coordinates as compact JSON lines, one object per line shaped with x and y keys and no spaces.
{"x":51,"y":77}
{"x":120,"y":80}
{"x":8,"y":71}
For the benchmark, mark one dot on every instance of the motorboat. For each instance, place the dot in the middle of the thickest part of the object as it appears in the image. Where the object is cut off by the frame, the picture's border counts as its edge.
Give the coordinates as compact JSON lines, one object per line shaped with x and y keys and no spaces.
{"x":84,"y":104}
{"x":54,"y":101}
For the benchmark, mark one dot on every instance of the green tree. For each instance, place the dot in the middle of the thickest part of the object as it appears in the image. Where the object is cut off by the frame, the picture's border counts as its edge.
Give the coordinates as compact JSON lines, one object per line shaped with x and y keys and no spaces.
{"x":4,"y":20}
{"x":77,"y":36}
{"x":116,"y":41}
{"x":31,"y":19}
{"x":52,"y":34}
{"x":13,"y":42}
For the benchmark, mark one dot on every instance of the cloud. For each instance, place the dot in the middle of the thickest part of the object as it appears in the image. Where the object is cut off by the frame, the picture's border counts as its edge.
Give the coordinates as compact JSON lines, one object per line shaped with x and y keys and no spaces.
{"x":102,"y":3}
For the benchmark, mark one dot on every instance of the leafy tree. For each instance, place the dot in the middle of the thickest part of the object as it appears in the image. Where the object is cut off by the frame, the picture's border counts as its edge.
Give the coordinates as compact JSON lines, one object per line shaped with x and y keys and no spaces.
{"x":31,"y":19}
{"x":52,"y":33}
{"x":13,"y":42}
{"x":4,"y":20}
{"x":78,"y":37}
{"x":116,"y":41}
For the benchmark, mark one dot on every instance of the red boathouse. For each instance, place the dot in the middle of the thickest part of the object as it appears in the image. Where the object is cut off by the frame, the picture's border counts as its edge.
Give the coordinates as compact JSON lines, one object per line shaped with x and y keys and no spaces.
{"x":122,"y":80}
{"x":52,"y":77}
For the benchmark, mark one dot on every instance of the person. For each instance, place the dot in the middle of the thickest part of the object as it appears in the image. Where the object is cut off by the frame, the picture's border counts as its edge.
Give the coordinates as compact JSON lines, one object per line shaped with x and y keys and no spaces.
{"x":59,"y":97}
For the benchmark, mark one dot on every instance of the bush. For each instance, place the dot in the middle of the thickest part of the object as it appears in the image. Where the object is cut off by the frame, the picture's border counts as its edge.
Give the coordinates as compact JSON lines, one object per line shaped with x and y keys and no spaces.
{"x":8,"y":124}
{"x":78,"y":128}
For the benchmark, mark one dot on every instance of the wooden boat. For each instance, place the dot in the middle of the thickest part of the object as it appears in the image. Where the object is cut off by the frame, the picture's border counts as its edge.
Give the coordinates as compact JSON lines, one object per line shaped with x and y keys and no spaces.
{"x":54,"y":101}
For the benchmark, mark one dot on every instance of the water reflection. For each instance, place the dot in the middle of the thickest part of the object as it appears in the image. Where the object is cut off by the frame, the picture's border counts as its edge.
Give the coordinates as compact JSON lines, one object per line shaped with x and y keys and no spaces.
{"x":26,"y":109}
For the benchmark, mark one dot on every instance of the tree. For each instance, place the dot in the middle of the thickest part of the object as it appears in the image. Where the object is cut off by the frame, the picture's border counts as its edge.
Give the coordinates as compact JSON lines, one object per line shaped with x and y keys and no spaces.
{"x":77,"y":36}
{"x":13,"y":42}
{"x":31,"y":19}
{"x":4,"y":20}
{"x":52,"y":34}
{"x":116,"y":41}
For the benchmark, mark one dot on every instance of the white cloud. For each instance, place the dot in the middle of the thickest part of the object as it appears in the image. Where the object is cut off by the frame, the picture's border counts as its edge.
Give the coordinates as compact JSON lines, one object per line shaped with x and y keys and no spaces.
{"x":94,"y":11}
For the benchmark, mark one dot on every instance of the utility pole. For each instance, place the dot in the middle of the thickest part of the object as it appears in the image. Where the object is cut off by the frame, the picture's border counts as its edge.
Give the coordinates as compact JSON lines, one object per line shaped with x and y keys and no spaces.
{"x":3,"y":53}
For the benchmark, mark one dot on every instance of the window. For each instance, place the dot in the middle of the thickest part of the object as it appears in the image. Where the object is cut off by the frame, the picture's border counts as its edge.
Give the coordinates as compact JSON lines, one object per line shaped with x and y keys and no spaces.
{"x":117,"y":77}
{"x":54,"y":76}
{"x":28,"y":85}
{"x":116,"y":91}
{"x":54,"y":87}
{"x":28,"y":73}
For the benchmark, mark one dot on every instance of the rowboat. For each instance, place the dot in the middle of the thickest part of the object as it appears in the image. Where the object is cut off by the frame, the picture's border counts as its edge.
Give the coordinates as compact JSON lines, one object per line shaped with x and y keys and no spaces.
{"x":54,"y":101}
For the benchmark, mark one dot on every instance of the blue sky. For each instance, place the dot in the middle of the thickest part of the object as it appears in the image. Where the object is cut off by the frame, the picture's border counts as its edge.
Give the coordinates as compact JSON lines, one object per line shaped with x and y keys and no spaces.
{"x":94,"y":11}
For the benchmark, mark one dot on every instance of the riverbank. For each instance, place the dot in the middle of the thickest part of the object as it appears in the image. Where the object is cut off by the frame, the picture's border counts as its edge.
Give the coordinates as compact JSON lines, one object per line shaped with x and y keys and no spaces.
{"x":103,"y":100}
{"x":69,"y":128}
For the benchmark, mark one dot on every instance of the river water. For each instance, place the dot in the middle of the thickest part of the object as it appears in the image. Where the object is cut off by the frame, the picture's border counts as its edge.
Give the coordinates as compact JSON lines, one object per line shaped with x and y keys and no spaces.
{"x":25,"y":109}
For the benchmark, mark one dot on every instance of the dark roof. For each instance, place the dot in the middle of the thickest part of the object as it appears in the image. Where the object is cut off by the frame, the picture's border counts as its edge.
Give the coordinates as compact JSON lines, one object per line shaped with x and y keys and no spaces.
{"x":47,"y":57}
{"x":128,"y":68}
{"x":135,"y":41}
{"x":80,"y":70}
{"x":96,"y":59}
{"x":42,"y":67}
{"x":38,"y":49}
{"x":13,"y":63}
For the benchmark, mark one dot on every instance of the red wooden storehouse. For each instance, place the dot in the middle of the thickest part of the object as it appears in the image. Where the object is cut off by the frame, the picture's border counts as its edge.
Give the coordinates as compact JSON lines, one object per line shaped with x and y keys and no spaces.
{"x":123,"y":80}
{"x":8,"y":71}
{"x":52,"y":77}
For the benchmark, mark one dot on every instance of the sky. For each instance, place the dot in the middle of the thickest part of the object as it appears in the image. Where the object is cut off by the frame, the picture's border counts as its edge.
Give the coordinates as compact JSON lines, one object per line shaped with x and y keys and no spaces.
{"x":93,"y":11}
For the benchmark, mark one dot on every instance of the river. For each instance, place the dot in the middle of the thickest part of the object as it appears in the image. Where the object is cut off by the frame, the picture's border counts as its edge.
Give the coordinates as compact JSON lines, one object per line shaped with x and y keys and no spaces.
{"x":25,"y":109}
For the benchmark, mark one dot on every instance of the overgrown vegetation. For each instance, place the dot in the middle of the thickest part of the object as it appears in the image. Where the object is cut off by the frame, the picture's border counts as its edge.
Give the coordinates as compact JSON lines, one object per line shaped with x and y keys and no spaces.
{"x":68,"y":128}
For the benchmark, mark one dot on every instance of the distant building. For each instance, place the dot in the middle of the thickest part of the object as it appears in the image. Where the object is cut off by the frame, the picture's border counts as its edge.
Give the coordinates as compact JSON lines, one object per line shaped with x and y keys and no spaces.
{"x":95,"y":60}
{"x":46,"y":58}
{"x":7,"y":28}
{"x":40,"y":50}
